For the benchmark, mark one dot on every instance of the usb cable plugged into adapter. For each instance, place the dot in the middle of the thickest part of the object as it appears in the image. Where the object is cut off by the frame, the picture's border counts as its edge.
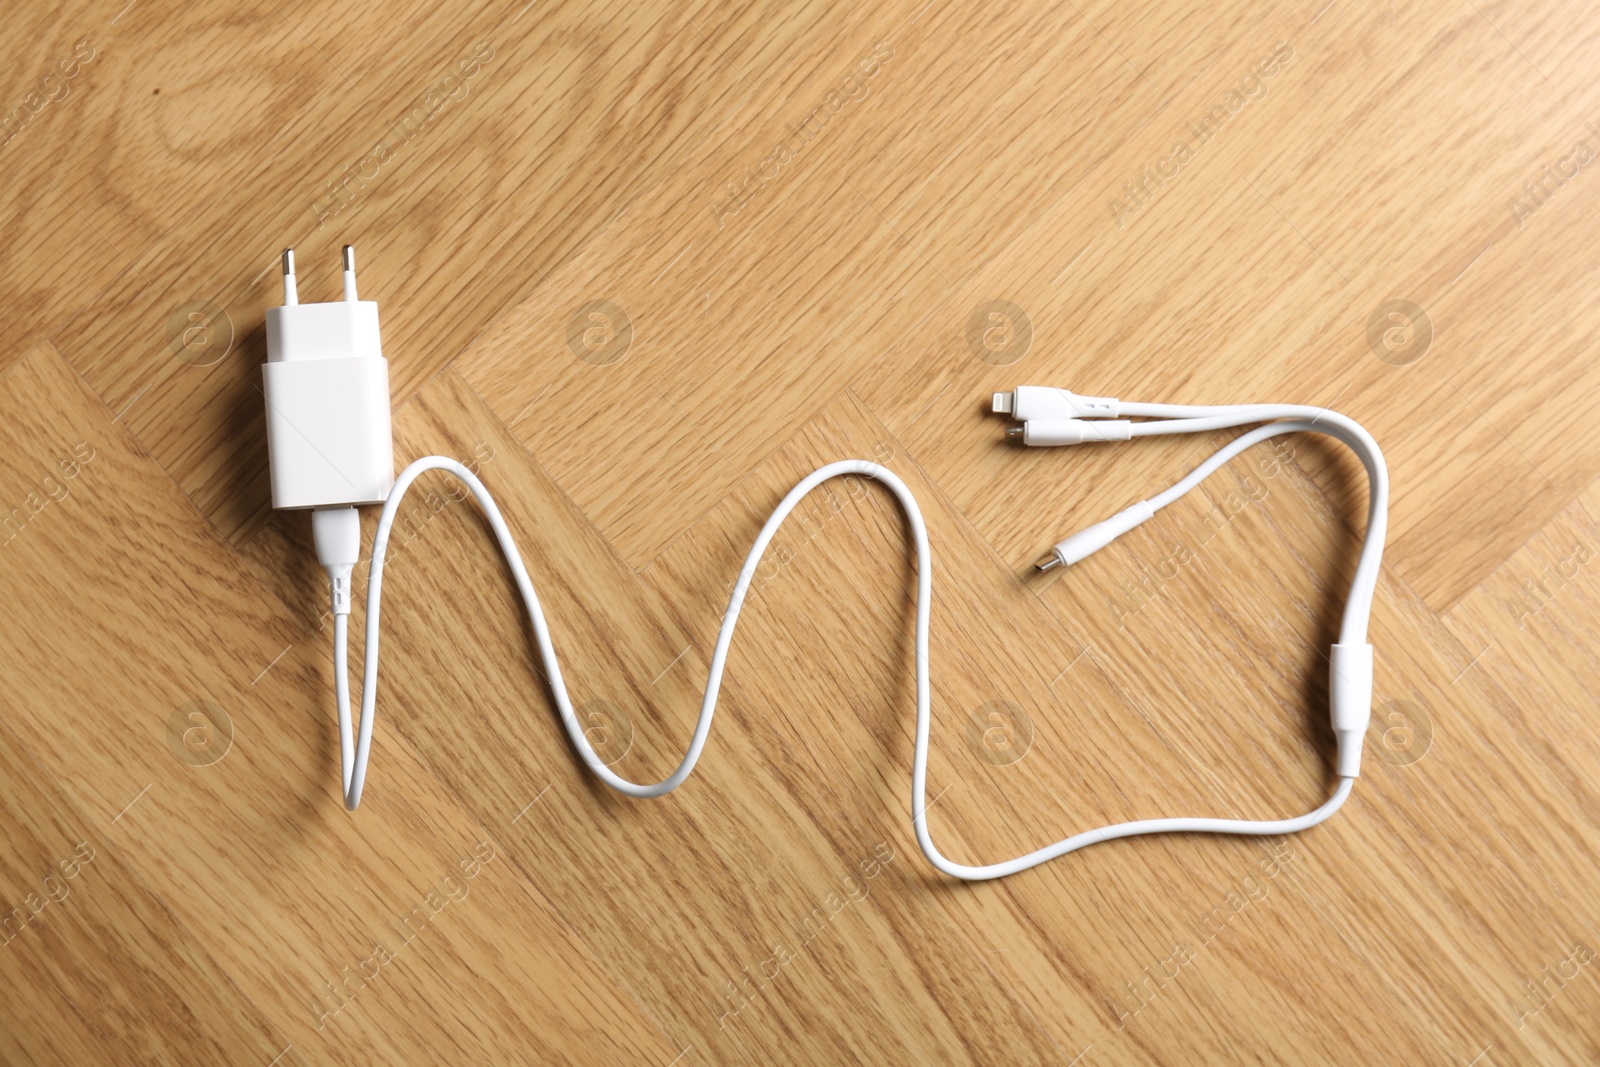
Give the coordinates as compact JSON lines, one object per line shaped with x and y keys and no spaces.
{"x":331,"y":451}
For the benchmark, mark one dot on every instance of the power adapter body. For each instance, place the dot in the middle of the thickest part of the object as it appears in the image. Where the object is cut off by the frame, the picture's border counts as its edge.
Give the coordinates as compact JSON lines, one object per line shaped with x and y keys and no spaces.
{"x":329,"y":440}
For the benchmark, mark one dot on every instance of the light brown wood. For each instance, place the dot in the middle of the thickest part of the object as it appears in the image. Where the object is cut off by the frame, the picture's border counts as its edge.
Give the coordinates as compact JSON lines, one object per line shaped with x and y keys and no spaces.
{"x":503,"y":169}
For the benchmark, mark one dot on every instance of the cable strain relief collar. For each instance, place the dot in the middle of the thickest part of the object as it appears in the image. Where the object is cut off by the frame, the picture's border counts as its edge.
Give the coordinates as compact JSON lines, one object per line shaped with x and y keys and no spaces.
{"x":337,"y":534}
{"x":1350,"y":693}
{"x":1087,"y":542}
{"x":339,"y":577}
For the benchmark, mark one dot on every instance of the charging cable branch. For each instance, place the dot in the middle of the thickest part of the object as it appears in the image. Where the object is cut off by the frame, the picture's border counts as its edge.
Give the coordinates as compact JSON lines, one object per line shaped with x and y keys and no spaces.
{"x":331,"y":453}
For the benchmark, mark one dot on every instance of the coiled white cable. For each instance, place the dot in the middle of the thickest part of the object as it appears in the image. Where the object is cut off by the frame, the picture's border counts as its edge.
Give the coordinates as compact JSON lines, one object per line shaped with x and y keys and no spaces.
{"x":355,"y":751}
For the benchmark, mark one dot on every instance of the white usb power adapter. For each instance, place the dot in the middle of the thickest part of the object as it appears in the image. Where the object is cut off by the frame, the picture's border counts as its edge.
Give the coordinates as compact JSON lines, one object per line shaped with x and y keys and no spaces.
{"x":329,"y":441}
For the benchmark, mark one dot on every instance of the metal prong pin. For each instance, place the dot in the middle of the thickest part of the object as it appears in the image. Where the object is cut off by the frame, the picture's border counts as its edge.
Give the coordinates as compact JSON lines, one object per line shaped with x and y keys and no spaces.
{"x":290,"y":296}
{"x":349,"y":272}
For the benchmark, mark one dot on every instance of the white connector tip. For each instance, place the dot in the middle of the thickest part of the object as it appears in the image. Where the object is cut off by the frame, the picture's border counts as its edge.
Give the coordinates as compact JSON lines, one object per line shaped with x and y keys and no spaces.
{"x":1001,"y":404}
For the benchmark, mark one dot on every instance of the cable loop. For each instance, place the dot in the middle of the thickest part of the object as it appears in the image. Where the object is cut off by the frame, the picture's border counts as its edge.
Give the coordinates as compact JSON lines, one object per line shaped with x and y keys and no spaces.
{"x":355,"y":754}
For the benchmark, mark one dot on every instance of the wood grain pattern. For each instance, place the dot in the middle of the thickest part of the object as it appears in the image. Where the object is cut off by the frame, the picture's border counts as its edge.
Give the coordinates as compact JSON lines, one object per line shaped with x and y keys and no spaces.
{"x":788,"y":218}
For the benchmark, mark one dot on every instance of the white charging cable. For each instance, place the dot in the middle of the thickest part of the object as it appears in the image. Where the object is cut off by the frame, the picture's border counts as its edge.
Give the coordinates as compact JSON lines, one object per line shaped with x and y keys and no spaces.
{"x":1351,"y":664}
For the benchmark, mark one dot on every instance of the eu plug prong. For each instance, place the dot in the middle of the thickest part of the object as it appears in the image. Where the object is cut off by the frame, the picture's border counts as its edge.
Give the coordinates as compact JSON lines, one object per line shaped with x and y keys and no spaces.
{"x":290,"y":295}
{"x":349,"y":272}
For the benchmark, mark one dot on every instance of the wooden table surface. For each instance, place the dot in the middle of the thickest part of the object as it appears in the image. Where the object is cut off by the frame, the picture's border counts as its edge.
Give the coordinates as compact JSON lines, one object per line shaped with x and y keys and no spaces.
{"x":646,"y":265}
